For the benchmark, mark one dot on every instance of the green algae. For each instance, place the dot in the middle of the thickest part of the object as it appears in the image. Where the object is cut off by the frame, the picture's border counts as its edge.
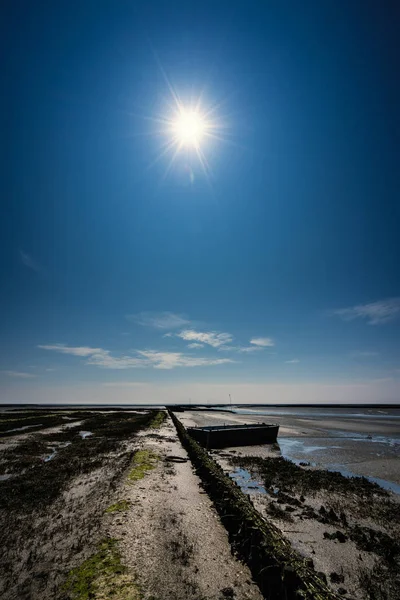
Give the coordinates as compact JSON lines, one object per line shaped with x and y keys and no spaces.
{"x":119,"y":506}
{"x":158,"y":420}
{"x":102,"y":577}
{"x":143,"y":462}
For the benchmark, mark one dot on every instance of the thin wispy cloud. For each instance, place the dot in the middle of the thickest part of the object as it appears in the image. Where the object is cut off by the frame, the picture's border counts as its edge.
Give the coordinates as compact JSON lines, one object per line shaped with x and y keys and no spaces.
{"x":124,"y":384}
{"x":19,"y":374}
{"x":240,"y":349}
{"x":162,"y":320}
{"x":100,"y":357}
{"x":30,"y":263}
{"x":211,"y":338}
{"x":74,"y":350}
{"x":170,"y":360}
{"x":375,"y":313}
{"x":364,"y":354}
{"x":96,"y":356}
{"x":263,"y":342}
{"x":195,"y":345}
{"x":293,"y":361}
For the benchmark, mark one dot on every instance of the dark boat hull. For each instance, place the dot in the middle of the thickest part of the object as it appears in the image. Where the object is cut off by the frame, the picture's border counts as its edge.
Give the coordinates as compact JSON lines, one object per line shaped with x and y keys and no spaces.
{"x":234,"y":435}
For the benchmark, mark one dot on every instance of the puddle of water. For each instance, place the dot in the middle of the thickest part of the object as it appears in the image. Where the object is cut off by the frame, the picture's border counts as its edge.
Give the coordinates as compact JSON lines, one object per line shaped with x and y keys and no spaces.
{"x":23,"y":428}
{"x":287,"y":445}
{"x":50,"y":456}
{"x":54,"y":452}
{"x":85,"y":434}
{"x":245,"y":482}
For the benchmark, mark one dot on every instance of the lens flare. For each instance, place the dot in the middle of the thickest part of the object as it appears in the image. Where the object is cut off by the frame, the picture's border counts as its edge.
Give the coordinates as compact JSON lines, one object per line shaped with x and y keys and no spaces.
{"x":189,"y":127}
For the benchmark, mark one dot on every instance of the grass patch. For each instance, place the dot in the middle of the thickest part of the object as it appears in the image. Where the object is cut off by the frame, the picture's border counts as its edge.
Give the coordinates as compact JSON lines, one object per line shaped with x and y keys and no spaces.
{"x":143,"y":461}
{"x":102,"y":576}
{"x":120,"y":506}
{"x":158,"y":420}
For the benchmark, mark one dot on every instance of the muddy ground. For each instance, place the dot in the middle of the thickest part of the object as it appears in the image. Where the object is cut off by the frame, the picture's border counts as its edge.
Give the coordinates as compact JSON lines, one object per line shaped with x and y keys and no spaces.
{"x":99,"y":505}
{"x":348,"y":527}
{"x":54,"y":490}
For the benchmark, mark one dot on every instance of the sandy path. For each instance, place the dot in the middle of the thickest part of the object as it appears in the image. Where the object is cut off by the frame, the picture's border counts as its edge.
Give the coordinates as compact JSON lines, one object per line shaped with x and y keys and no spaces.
{"x":172,"y":538}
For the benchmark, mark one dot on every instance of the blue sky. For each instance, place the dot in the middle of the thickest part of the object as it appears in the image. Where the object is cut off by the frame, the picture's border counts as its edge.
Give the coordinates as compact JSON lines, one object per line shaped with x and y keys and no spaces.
{"x":271,"y":274}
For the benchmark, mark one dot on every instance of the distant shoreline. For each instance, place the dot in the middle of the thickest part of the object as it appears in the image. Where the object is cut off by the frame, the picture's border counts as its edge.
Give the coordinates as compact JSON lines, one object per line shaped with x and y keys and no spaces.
{"x":204,"y":406}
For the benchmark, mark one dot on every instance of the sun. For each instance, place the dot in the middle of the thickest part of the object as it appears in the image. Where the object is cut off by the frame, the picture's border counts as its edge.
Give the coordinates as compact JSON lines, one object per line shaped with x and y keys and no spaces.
{"x":189,"y":128}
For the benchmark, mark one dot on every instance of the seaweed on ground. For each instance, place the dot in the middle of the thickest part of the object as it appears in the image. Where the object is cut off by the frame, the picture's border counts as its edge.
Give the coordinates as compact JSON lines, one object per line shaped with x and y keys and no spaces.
{"x":42,"y":482}
{"x":382,"y":582}
{"x":282,"y":473}
{"x":17,"y":423}
{"x":368,"y":499}
{"x":38,"y":517}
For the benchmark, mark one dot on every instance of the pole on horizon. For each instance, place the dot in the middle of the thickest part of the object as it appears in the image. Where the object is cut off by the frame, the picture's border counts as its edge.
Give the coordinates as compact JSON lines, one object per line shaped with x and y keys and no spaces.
{"x":230,"y":401}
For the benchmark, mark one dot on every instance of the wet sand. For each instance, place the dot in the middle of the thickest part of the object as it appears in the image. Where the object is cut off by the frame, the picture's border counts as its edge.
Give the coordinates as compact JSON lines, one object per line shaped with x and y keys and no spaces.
{"x":333,"y":444}
{"x":361,"y":446}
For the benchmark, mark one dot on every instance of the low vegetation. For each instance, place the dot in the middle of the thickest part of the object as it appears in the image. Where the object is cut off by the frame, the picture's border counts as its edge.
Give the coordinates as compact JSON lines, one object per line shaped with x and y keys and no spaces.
{"x":158,"y":420}
{"x":102,"y":577}
{"x":120,"y":506}
{"x":143,"y":462}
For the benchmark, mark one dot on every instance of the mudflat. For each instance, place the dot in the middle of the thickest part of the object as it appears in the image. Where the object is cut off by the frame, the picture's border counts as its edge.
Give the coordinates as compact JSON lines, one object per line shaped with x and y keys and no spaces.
{"x":349,"y":527}
{"x":363,"y":442}
{"x":100,"y":504}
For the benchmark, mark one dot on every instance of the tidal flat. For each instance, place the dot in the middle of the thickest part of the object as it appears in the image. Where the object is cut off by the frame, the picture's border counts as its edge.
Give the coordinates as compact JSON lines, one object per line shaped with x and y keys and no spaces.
{"x":330,"y":484}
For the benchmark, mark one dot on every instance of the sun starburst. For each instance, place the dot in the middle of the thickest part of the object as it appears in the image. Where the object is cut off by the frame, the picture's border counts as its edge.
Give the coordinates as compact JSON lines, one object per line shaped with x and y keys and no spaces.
{"x":189,"y":128}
